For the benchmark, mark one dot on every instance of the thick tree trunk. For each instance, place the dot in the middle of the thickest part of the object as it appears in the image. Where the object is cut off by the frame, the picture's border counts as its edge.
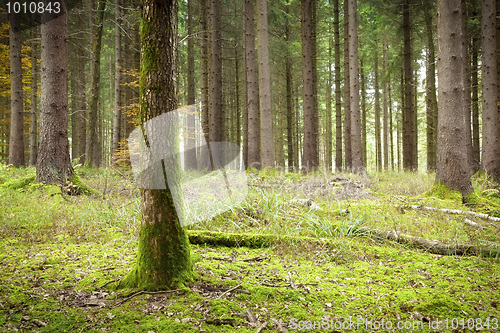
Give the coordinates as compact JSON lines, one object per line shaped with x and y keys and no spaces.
{"x":53,"y":164}
{"x":357,"y":150}
{"x":452,"y":159}
{"x":309,"y":158}
{"x":16,"y":142}
{"x":338,"y":102}
{"x":490,"y":159}
{"x":409,"y":125}
{"x":205,"y":69}
{"x":163,"y":258}
{"x":265,"y":105}
{"x":347,"y":93}
{"x":92,"y":145}
{"x":431,"y":99}
{"x":252,"y":86}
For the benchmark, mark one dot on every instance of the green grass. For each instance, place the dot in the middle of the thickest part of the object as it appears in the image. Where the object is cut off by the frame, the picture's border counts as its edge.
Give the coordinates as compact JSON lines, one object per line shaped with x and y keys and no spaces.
{"x":61,"y":257}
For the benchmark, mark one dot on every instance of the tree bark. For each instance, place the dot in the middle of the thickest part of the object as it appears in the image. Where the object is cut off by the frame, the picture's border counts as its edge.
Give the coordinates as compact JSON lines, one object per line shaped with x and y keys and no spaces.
{"x":190,"y":136}
{"x":357,"y":150}
{"x":385,"y":123}
{"x":476,"y":150}
{"x":16,"y":142}
{"x":409,"y":143}
{"x":92,"y":145}
{"x":118,"y":78}
{"x":53,"y":163}
{"x":452,"y":157}
{"x":309,"y":158}
{"x":163,"y":258}
{"x":34,"y":99}
{"x":490,"y":159}
{"x":215,"y":97}
{"x":431,"y":99}
{"x":252,"y":86}
{"x":338,"y":102}
{"x":347,"y":93}
{"x":265,"y":105}
{"x":328,"y":133}
{"x":363,"y":112}
{"x":378,"y":142}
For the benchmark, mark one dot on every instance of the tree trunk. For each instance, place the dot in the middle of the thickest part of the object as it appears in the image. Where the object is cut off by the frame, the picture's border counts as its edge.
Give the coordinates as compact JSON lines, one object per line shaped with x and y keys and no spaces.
{"x":118,"y":78}
{"x":190,"y":137}
{"x":452,"y":160}
{"x":475,"y":103}
{"x":309,"y":158}
{"x":378,"y":143}
{"x":92,"y":145}
{"x":289,"y":90}
{"x":328,"y":139}
{"x":215,"y":96}
{"x":357,"y":150}
{"x":491,"y":128}
{"x":431,"y":99}
{"x":363,"y":112}
{"x":34,"y":99}
{"x":266,"y":116}
{"x":347,"y":93}
{"x":338,"y":102}
{"x":163,"y":258}
{"x":409,"y":143}
{"x":205,"y":68}
{"x":252,"y":86}
{"x":16,"y":142}
{"x":391,"y":129}
{"x":385,"y":124}
{"x":53,"y":163}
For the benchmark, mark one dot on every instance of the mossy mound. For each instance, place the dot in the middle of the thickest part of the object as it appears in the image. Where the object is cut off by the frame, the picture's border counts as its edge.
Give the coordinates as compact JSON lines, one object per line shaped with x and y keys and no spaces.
{"x":441,"y":191}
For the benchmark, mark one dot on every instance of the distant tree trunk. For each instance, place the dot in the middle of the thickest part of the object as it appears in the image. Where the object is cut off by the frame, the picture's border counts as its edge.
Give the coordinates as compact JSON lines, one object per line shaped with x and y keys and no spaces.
{"x":34,"y":92}
{"x":475,"y":103}
{"x":338,"y":102}
{"x":491,"y":118}
{"x":400,"y":117}
{"x":363,"y":112}
{"x":431,"y":99}
{"x":309,"y":159}
{"x":53,"y":163}
{"x":289,"y":89}
{"x":118,"y":78}
{"x":378,"y":143}
{"x":347,"y":93}
{"x":452,"y":167}
{"x":252,"y":86}
{"x":265,"y":105}
{"x":357,"y":150}
{"x":205,"y":68}
{"x":163,"y":258}
{"x":409,"y":143}
{"x":16,"y":143}
{"x":314,"y":48}
{"x":385,"y":139}
{"x":190,"y":138}
{"x":328,"y":139}
{"x":92,"y":145}
{"x":391,"y":128}
{"x":215,"y":96}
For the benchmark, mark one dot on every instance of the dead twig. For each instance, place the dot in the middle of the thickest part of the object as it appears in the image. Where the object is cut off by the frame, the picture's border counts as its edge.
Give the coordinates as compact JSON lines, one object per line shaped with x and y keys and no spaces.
{"x":143,"y":292}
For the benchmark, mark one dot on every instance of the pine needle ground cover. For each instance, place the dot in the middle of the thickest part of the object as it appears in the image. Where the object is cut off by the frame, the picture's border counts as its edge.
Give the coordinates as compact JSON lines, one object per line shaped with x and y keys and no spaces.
{"x":308,"y":263}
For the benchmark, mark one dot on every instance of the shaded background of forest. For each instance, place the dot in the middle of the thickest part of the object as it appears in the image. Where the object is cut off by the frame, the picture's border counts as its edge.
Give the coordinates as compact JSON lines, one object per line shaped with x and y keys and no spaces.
{"x":220,"y":70}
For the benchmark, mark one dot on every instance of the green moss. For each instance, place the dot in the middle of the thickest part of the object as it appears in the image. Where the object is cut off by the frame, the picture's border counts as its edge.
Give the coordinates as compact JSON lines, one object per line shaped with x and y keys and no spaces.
{"x":483,"y":204}
{"x":76,"y":180}
{"x":18,"y":183}
{"x":441,"y":191}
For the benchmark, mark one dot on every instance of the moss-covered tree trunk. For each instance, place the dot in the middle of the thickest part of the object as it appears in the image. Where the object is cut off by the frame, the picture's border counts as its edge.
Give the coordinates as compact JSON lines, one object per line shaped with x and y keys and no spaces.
{"x":163,"y":259}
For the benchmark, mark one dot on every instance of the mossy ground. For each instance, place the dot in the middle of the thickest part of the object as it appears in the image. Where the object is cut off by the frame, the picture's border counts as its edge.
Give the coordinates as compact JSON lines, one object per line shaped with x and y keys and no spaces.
{"x":62,"y":259}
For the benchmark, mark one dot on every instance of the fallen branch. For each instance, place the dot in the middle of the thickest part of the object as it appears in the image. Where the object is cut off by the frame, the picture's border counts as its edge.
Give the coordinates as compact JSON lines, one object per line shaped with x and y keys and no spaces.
{"x":433,"y":246}
{"x":142,"y":292}
{"x":458,"y":211}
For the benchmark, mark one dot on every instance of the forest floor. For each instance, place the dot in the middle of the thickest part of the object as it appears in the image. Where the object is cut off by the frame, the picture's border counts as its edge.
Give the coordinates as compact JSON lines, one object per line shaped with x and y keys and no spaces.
{"x":62,"y":256}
